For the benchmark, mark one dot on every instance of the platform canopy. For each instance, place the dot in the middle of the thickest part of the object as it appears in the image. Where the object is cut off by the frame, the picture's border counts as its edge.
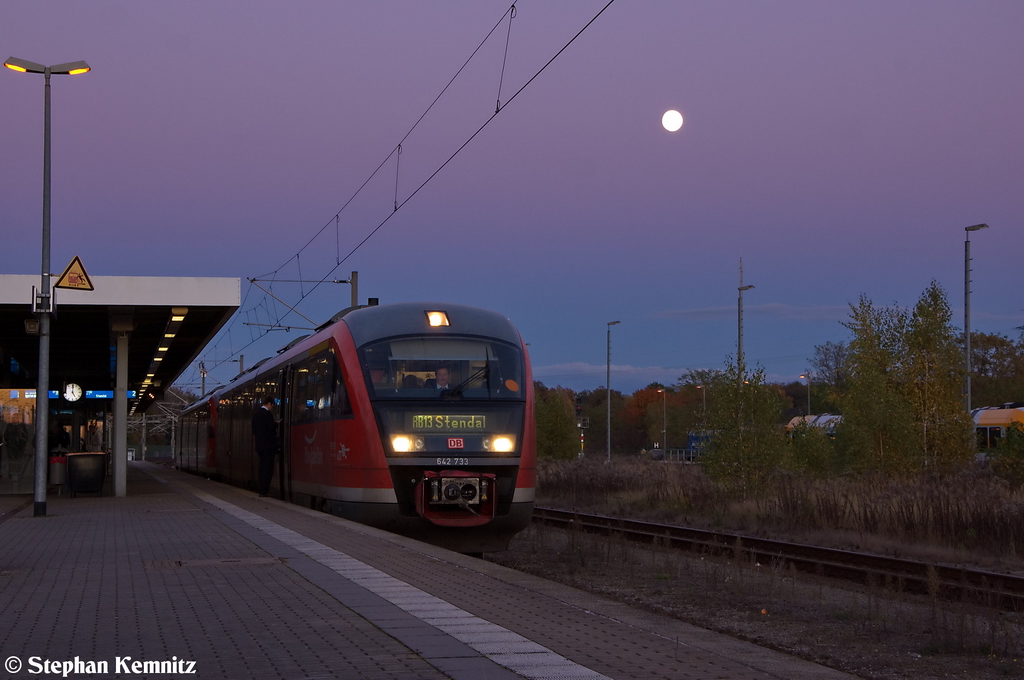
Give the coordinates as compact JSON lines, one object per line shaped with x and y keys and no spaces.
{"x":86,"y":324}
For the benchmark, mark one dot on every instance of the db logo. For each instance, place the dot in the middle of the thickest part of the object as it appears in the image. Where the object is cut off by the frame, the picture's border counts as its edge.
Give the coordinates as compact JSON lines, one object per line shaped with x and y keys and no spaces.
{"x":456,"y":443}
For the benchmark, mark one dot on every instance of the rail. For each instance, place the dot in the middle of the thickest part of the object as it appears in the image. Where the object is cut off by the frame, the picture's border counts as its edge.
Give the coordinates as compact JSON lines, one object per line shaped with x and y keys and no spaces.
{"x":989,"y":589}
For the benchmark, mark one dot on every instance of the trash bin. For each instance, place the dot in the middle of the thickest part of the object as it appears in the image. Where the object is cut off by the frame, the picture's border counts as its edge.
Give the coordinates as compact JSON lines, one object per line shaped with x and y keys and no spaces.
{"x":86,"y":472}
{"x":58,"y":469}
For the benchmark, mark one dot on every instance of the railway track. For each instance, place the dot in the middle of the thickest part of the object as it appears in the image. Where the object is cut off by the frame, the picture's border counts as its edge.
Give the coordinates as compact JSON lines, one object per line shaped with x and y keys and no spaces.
{"x":982,"y":588}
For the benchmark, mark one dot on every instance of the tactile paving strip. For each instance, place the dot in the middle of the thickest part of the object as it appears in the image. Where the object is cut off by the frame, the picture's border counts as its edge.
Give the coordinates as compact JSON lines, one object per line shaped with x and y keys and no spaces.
{"x":508,"y":649}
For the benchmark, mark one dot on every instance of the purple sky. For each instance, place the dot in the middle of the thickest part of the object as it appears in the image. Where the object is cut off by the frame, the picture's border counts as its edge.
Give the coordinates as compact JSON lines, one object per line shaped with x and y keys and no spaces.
{"x":839,"y":148}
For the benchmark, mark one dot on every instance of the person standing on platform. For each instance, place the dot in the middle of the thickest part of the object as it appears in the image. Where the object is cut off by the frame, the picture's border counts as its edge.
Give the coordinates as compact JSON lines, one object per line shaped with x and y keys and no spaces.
{"x":93,"y":439}
{"x":264,"y":435}
{"x":63,"y":440}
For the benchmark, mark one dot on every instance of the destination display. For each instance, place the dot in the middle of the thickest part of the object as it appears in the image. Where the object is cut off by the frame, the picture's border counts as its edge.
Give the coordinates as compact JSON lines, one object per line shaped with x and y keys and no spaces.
{"x":427,"y":422}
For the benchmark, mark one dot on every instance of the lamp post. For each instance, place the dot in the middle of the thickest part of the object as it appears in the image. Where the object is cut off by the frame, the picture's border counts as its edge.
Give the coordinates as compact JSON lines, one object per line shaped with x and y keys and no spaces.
{"x":967,"y":312}
{"x":808,"y":376}
{"x":664,"y":420}
{"x":608,"y":386}
{"x":739,"y":342}
{"x":41,"y":303}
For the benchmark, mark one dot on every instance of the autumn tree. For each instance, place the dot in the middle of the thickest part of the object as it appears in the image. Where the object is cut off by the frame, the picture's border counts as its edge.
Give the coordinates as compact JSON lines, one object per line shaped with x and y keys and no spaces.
{"x":933,"y":376}
{"x":556,"y":422}
{"x":635,"y":417}
{"x":1008,"y":459}
{"x":747,"y":443}
{"x":811,"y":451}
{"x":901,"y":404}
{"x":677,"y":410}
{"x":829,"y":364}
{"x":829,"y":375}
{"x":997,"y":369}
{"x":595,"y":404}
{"x":877,"y":428}
{"x":700,"y":384}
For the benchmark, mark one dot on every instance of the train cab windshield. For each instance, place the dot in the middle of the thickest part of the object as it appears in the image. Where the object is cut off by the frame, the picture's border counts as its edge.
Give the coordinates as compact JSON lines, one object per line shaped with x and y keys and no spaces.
{"x":443,"y":368}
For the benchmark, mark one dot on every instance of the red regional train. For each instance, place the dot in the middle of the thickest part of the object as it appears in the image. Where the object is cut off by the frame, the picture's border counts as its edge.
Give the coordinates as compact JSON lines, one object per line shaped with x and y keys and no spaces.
{"x":369,"y":432}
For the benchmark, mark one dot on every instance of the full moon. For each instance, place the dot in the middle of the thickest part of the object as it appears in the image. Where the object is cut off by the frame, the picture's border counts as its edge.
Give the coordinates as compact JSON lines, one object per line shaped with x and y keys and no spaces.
{"x":672,"y":120}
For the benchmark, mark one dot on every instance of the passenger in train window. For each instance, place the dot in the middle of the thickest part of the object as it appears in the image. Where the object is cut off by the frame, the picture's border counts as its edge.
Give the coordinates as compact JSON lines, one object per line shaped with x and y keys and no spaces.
{"x":410,"y":382}
{"x":440,"y":381}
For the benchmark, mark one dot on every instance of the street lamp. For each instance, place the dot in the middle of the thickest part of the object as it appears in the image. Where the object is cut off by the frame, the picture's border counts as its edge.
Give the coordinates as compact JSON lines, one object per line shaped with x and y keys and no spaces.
{"x":808,"y":376}
{"x":608,"y":386}
{"x":967,"y":311}
{"x":739,"y":343}
{"x":664,"y":421}
{"x":41,"y":303}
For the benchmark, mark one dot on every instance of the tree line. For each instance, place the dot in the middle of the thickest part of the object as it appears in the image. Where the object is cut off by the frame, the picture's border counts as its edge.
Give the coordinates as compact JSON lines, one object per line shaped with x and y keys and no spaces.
{"x":898,"y":383}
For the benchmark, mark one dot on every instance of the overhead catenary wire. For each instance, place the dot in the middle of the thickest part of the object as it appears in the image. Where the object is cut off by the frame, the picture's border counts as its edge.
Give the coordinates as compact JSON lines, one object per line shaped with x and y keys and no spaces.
{"x":405,"y":137}
{"x":396,"y":151}
{"x":508,"y":37}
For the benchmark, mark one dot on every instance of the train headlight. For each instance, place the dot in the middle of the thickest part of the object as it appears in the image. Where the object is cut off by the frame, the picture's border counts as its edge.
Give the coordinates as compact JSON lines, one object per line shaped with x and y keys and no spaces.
{"x":437,"y":318}
{"x":402,"y":443}
{"x":499,"y":444}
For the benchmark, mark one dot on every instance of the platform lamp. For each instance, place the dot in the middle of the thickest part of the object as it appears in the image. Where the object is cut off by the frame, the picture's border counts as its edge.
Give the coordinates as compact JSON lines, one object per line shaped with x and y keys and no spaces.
{"x":41,"y":303}
{"x":664,"y":419}
{"x":808,"y":376}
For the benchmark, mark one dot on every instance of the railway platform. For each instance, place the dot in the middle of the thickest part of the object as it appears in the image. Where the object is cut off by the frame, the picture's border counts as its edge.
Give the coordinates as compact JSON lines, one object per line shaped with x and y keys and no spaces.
{"x":187,"y":577}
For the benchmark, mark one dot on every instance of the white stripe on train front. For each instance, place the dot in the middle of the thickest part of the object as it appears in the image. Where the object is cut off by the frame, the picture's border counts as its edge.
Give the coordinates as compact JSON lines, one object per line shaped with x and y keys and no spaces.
{"x":524,"y":495}
{"x":346,"y":493}
{"x":357,"y":495}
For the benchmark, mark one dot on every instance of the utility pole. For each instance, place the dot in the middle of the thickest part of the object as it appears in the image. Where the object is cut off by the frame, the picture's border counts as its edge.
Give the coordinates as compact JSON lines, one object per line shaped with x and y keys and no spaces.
{"x":608,"y":386}
{"x":967,"y":312}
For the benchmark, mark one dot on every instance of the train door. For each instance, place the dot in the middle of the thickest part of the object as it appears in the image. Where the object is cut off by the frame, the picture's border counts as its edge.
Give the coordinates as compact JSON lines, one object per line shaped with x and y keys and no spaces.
{"x":284,"y":467}
{"x":243,"y":461}
{"x":268,"y":389}
{"x":222,"y":435}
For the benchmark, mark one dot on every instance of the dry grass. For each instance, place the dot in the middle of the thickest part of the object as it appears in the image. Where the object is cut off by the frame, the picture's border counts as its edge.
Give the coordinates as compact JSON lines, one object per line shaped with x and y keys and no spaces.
{"x":878,"y":631}
{"x":973,"y":516}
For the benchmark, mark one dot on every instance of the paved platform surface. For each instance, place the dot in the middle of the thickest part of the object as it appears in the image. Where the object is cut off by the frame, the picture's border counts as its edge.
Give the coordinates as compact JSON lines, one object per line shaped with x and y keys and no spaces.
{"x":187,"y":574}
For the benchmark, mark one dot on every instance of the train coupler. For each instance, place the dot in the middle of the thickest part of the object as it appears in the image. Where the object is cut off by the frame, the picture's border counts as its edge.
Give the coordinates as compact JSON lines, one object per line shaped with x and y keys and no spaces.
{"x":456,"y":497}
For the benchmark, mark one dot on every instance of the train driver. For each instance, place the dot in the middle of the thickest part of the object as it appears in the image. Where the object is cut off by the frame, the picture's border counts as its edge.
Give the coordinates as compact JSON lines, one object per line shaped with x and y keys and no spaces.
{"x":441,"y":379}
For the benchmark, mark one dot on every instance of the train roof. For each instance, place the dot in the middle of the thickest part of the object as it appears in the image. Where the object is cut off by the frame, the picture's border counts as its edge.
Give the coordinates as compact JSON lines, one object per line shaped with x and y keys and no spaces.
{"x":410,"y":318}
{"x":367,"y":324}
{"x":825,"y":420}
{"x":998,"y":415}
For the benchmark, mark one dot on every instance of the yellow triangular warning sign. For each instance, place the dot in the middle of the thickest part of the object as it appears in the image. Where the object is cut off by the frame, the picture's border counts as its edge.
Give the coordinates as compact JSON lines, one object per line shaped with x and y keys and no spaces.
{"x":74,"y":277}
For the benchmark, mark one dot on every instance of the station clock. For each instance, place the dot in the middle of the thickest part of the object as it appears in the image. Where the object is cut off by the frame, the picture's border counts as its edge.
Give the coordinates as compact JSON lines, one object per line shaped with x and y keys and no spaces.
{"x":72,"y":392}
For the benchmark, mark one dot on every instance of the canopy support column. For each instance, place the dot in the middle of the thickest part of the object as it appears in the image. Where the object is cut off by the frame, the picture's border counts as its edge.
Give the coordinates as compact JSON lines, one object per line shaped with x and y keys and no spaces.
{"x":119,"y":438}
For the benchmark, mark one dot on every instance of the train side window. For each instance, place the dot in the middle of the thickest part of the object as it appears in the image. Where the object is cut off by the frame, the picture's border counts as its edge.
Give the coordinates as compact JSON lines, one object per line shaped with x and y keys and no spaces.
{"x":319,"y":389}
{"x":341,"y":407}
{"x":302,"y":388}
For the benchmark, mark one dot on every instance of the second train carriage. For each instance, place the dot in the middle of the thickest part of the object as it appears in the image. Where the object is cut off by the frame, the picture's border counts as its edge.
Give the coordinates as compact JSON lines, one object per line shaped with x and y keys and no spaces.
{"x":992,"y":422}
{"x":368,"y":434}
